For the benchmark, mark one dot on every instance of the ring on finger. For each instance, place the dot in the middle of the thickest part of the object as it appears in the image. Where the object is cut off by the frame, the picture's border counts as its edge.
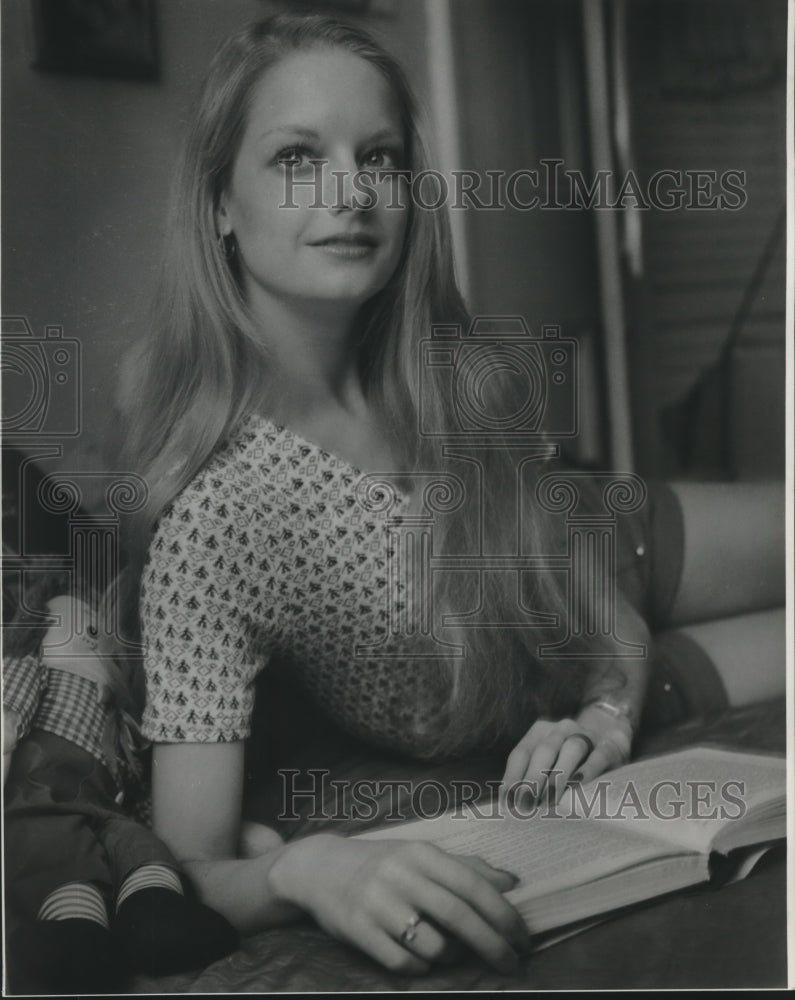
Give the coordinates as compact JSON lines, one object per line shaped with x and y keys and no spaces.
{"x":409,"y":932}
{"x":586,"y":739}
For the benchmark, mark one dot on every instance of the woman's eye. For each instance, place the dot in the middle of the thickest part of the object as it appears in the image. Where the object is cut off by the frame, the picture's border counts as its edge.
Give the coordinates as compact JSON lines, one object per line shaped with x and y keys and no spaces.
{"x":381,"y":159}
{"x":293,"y":156}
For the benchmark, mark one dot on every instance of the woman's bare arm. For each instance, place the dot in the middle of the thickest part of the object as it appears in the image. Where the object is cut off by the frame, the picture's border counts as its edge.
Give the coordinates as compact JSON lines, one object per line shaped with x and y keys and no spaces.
{"x":362,"y":892}
{"x":197,"y":800}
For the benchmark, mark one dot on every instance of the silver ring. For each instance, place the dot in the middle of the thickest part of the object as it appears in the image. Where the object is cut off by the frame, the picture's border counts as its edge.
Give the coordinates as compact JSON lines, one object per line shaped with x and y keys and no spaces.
{"x":589,"y":743}
{"x":409,"y":932}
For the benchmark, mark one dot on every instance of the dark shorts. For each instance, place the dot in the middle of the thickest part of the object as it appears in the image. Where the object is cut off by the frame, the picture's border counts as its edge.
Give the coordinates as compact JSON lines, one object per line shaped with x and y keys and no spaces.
{"x":684,"y":682}
{"x":650,"y":554}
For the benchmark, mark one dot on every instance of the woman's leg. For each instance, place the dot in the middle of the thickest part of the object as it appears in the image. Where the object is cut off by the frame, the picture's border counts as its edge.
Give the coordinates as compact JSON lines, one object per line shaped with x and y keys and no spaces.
{"x":717,"y":595}
{"x":747,"y":651}
{"x":733,"y":559}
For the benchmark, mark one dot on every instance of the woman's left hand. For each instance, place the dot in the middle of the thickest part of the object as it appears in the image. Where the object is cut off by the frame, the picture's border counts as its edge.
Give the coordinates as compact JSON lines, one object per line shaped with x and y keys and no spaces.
{"x":553,"y":752}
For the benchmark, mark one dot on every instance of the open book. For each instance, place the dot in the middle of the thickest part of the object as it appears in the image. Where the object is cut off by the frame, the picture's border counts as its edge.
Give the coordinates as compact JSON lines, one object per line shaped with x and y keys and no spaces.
{"x":641,"y":831}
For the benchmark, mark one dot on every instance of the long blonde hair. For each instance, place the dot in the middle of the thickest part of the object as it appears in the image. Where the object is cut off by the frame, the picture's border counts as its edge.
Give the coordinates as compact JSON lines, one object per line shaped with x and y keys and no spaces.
{"x":202,"y":367}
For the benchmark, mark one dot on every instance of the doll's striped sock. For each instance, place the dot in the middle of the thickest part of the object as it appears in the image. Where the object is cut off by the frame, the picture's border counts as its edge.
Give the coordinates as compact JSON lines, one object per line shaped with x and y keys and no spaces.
{"x":68,"y":948}
{"x":164,"y":930}
{"x":75,"y":901}
{"x":149,"y":877}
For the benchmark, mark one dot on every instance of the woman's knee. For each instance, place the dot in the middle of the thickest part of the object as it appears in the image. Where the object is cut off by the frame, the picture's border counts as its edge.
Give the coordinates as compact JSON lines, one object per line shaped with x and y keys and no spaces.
{"x":733,"y":551}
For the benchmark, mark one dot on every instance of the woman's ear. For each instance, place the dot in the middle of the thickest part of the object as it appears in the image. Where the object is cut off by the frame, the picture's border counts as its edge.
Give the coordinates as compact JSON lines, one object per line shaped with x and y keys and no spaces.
{"x":223,"y":223}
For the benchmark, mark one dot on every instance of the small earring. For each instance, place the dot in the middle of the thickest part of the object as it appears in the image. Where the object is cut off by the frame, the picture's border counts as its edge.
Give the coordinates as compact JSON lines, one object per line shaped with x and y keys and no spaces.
{"x":227,"y":249}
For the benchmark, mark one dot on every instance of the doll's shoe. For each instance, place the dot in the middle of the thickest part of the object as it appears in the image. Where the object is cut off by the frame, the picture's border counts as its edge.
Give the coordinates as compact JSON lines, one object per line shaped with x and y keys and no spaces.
{"x":57,"y":957}
{"x":163,"y":932}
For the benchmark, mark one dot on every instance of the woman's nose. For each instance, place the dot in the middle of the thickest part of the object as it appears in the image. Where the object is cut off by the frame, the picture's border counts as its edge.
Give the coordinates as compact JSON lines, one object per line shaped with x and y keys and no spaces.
{"x":339,"y":188}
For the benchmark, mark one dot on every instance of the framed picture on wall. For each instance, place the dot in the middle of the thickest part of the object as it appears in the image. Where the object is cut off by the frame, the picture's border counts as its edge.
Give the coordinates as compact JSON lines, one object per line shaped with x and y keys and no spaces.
{"x":95,"y":37}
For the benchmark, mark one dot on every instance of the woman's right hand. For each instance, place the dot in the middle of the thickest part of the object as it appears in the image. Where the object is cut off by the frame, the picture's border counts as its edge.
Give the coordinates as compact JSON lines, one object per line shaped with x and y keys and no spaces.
{"x":367,"y":893}
{"x":364,"y":892}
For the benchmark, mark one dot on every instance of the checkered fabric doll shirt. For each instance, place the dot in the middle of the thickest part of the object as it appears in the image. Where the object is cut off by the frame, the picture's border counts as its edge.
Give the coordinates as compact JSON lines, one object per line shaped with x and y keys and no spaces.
{"x":57,"y":701}
{"x":268,"y":550}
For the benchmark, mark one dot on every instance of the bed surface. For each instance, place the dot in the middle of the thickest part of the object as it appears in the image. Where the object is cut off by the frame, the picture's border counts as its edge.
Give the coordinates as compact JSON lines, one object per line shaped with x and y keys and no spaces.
{"x":734,"y":936}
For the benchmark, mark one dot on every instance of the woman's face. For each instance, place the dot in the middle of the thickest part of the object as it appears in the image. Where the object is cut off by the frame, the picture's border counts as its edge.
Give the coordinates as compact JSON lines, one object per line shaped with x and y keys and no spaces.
{"x":329,"y":105}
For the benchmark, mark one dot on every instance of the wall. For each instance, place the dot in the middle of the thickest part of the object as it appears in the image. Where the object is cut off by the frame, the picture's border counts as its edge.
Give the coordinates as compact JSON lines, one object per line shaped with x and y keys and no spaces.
{"x":519,"y":68}
{"x":709,"y":93}
{"x":518,"y":63}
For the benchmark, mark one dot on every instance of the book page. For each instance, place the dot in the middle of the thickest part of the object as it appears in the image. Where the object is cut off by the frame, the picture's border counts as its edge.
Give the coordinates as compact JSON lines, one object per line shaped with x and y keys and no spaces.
{"x":681,"y":800}
{"x":551,"y":850}
{"x":548,"y":851}
{"x":688,"y":798}
{"x":662,"y":807}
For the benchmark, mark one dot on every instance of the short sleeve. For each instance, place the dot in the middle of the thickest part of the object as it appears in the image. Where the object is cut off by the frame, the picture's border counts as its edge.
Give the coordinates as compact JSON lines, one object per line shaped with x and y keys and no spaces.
{"x":196,"y":595}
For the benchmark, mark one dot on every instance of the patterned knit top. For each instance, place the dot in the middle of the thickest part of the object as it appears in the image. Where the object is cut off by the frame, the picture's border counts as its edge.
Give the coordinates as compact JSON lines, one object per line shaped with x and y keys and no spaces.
{"x":269,"y":551}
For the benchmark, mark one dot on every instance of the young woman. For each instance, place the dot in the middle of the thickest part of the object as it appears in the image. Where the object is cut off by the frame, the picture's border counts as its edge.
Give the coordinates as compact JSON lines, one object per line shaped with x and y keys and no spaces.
{"x":283,"y":368}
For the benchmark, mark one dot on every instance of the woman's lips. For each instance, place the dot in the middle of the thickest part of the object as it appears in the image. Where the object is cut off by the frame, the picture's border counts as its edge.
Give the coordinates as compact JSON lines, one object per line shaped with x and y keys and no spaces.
{"x":348,"y":245}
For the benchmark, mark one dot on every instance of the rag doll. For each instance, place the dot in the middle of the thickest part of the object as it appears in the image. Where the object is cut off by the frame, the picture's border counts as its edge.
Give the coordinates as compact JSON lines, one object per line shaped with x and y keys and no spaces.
{"x":92,"y":895}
